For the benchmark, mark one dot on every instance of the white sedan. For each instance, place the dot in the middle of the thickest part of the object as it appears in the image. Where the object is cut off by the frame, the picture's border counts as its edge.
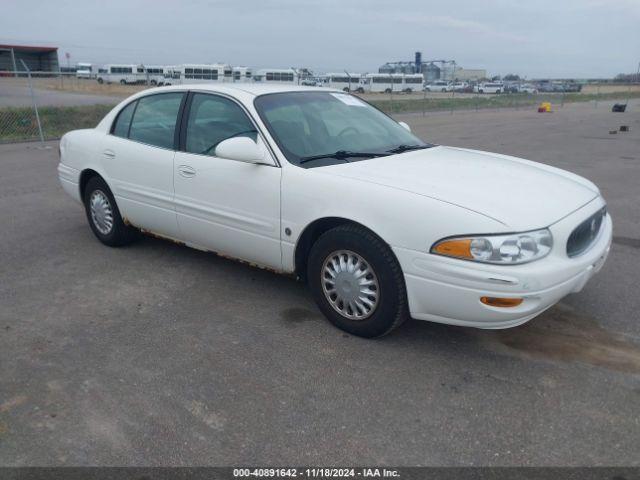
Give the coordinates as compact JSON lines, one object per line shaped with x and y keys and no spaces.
{"x":439,"y":86}
{"x":319,"y":184}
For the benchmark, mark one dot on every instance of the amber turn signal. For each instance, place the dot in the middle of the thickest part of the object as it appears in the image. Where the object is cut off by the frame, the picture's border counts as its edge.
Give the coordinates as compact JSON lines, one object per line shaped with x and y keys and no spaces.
{"x":501,"y":302}
{"x":454,"y":248}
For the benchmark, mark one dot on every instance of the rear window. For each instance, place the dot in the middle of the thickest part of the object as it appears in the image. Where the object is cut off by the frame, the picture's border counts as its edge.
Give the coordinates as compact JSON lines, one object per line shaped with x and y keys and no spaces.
{"x":151,"y":120}
{"x":154,"y":121}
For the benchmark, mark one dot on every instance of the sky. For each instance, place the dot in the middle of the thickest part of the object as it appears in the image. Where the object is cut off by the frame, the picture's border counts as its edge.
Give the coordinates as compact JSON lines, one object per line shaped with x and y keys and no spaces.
{"x":534,"y":38}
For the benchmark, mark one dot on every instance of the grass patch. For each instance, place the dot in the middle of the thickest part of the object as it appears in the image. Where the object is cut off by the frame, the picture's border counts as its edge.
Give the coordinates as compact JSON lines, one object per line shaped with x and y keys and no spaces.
{"x":19,"y":124}
{"x":409,"y":105}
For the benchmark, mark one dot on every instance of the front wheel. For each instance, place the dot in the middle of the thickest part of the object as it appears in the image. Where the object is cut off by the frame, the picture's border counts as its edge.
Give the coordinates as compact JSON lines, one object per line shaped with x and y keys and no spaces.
{"x":357,"y":282}
{"x":103,"y":215}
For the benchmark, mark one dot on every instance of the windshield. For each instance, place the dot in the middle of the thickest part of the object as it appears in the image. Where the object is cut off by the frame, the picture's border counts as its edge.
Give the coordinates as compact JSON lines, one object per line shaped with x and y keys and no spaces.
{"x":331,"y":128}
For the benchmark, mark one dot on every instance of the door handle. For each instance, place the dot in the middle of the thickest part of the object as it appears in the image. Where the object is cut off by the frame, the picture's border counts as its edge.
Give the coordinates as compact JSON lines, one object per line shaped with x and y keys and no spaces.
{"x":109,"y":154}
{"x":186,"y":171}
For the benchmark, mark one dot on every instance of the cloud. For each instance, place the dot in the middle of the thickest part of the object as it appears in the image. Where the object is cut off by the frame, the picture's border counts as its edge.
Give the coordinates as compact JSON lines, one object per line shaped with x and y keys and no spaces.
{"x":472,"y":27}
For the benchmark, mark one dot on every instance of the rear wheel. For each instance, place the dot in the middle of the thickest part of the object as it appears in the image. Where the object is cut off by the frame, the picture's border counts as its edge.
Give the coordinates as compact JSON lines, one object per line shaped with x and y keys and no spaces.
{"x":123,"y":82}
{"x":357,"y":282}
{"x":103,"y":215}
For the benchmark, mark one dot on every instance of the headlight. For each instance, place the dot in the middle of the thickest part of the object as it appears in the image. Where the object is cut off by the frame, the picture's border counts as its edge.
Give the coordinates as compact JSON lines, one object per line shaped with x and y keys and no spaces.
{"x":510,"y":249}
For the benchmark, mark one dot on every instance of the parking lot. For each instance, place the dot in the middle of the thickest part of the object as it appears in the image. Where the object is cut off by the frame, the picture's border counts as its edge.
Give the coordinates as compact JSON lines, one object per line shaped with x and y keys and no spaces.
{"x":157,"y":354}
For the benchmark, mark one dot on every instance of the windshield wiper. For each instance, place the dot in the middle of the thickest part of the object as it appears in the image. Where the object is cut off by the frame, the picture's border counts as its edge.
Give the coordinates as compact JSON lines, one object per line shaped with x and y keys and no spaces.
{"x":406,"y":148}
{"x":342,"y":155}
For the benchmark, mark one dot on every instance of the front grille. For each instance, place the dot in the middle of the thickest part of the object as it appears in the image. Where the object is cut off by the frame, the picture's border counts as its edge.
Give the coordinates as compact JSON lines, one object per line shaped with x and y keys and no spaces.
{"x":585,"y":234}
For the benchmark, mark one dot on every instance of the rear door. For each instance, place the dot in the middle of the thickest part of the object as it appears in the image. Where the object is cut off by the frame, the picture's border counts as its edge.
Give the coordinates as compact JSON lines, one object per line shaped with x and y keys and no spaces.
{"x":138,"y":159}
{"x":224,"y":205}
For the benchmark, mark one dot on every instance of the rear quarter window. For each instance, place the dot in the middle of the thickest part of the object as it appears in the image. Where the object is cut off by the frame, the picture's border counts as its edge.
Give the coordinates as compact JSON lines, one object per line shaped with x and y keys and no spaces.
{"x":121,"y":125}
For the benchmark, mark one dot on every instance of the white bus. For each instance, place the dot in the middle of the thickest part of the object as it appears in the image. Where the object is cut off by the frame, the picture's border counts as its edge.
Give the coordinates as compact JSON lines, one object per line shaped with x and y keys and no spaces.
{"x":122,"y":74}
{"x":382,"y":82}
{"x":241,"y":74}
{"x":84,"y":70}
{"x":227,"y":71}
{"x":150,"y":73}
{"x":349,"y":82}
{"x":412,"y":82}
{"x":193,"y":73}
{"x":272,"y":75}
{"x":170,"y":75}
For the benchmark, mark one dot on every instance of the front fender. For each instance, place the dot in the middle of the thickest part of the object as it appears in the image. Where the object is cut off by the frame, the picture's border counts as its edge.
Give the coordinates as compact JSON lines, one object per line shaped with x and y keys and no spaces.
{"x":402,"y":219}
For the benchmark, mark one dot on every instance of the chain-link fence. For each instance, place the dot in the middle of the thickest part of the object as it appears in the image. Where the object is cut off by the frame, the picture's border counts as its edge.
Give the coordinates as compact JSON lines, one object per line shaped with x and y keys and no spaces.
{"x":37,"y":106}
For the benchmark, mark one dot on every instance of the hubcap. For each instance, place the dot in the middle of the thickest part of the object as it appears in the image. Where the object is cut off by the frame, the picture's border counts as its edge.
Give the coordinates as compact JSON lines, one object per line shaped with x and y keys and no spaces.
{"x":350,"y":285}
{"x":101,"y":212}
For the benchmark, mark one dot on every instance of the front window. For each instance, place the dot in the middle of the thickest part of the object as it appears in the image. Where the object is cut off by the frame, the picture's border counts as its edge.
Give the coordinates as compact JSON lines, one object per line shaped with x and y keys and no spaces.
{"x":309,"y":124}
{"x":213,"y":119}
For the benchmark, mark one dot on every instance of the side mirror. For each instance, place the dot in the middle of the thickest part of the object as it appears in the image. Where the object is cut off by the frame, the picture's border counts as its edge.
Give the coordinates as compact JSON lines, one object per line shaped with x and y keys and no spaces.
{"x":405,"y":126}
{"x":241,"y":149}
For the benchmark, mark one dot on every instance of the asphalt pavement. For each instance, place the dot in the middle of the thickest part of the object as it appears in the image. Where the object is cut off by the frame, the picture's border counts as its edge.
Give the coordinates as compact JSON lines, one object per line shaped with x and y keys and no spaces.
{"x":157,"y":354}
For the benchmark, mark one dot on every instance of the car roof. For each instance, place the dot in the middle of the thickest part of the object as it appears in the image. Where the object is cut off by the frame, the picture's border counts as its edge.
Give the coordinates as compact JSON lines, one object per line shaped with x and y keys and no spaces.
{"x":233,"y":89}
{"x":244,"y":92}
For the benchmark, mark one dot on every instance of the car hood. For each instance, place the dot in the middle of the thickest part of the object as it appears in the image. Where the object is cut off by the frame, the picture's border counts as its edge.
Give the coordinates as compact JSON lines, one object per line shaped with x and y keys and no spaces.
{"x":520,"y":194}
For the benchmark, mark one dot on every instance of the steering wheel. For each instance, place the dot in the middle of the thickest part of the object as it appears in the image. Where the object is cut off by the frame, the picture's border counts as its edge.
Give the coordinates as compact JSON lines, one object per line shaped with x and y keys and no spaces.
{"x":347,"y":129}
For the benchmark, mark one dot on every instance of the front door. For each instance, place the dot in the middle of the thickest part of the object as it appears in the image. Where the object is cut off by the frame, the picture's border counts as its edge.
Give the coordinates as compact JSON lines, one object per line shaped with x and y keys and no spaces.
{"x":227,"y":206}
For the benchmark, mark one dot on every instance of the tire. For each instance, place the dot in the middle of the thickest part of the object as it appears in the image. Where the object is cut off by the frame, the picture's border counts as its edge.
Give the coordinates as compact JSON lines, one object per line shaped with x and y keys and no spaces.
{"x":115,"y":235}
{"x":360,"y":90}
{"x":389,"y":306}
{"x":388,"y":90}
{"x":100,"y":81}
{"x":346,"y":89}
{"x":123,"y":82}
{"x":444,"y":90}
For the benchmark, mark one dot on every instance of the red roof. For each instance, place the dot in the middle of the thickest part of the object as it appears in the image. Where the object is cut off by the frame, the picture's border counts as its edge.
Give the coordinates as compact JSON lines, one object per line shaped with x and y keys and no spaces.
{"x":29,"y":48}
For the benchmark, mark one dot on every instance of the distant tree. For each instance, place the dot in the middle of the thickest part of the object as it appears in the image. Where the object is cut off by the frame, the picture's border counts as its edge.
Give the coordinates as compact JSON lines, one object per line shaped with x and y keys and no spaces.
{"x":496,"y":78}
{"x":511,"y":77}
{"x":626,"y":78}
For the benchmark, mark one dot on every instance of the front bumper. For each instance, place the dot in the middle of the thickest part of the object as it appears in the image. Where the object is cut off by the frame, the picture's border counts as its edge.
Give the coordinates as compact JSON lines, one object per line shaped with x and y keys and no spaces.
{"x":448,"y":290}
